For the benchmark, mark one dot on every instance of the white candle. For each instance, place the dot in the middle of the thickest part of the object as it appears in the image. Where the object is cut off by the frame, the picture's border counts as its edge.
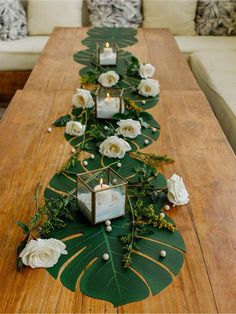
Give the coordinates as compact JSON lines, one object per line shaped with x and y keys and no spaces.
{"x":107,"y":210}
{"x":108,"y":57}
{"x":108,"y":107}
{"x":107,"y":50}
{"x":103,"y":196}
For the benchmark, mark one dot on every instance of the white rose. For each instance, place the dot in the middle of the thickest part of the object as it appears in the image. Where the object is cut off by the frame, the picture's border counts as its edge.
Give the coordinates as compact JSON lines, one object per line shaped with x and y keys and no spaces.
{"x":114,"y":147}
{"x":177,"y":193}
{"x":108,"y":79}
{"x":146,"y":70}
{"x":75,"y":128}
{"x":129,"y":128}
{"x":42,"y":253}
{"x":83,"y":99}
{"x":149,"y":87}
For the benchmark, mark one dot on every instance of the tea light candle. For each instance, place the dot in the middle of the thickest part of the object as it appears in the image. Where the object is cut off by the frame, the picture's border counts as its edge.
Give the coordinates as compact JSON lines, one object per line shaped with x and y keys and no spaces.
{"x":108,"y":57}
{"x":102,"y":196}
{"x":108,"y":107}
{"x":109,"y":203}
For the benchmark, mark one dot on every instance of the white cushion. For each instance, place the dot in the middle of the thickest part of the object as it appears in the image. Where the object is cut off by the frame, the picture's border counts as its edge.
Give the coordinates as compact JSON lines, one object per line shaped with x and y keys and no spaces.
{"x":21,"y":54}
{"x":216,"y":74}
{"x":176,"y":15}
{"x":44,"y":15}
{"x":189,"y":44}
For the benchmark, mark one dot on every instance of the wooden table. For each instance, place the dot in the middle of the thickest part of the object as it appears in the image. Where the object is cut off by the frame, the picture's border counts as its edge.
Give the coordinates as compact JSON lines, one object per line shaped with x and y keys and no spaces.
{"x":189,"y":132}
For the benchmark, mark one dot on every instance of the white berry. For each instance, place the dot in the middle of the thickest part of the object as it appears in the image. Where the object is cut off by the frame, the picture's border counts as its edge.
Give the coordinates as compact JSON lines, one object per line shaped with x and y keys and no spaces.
{"x":49,"y":130}
{"x":163,"y":253}
{"x":154,"y":130}
{"x":85,"y":163}
{"x":146,"y":142}
{"x":118,"y":165}
{"x":108,"y":228}
{"x":107,"y":222}
{"x":73,"y":150}
{"x":105,"y":127}
{"x":105,"y":257}
{"x":92,"y":156}
{"x":162,"y":215}
{"x":166,"y":207}
{"x":143,"y":101}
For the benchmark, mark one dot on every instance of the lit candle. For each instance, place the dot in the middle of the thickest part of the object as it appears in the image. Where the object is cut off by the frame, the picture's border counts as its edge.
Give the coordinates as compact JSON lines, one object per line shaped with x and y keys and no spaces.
{"x":107,"y":57}
{"x":107,"y":50}
{"x":103,"y":196}
{"x":108,"y":107}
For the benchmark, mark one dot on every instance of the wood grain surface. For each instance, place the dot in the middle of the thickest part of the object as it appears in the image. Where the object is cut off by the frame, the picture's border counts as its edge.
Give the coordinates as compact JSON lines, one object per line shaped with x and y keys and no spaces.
{"x":56,"y":70}
{"x":190,"y":134}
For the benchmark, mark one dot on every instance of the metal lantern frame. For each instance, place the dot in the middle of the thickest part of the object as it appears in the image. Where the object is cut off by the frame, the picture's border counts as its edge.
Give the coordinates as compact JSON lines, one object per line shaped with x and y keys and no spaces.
{"x":100,"y":47}
{"x":109,"y":171}
{"x":113,"y":92}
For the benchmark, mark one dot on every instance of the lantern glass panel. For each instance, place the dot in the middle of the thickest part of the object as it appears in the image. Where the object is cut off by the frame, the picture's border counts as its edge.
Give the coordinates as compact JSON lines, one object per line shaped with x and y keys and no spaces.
{"x":109,"y":101}
{"x":107,"y":54}
{"x":101,"y":195}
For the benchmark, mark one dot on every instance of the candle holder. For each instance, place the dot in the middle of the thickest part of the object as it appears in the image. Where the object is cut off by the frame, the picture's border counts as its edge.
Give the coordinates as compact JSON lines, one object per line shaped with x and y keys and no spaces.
{"x":107,"y":54}
{"x":101,"y":194}
{"x":108,"y":102}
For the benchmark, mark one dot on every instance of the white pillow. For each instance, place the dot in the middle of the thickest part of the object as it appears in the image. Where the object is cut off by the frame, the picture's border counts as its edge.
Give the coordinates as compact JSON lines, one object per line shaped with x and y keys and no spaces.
{"x":44,"y":15}
{"x":178,"y":15}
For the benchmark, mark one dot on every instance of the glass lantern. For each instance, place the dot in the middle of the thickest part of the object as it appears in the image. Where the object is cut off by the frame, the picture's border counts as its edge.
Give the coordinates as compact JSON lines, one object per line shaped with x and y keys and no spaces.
{"x":101,"y":194}
{"x":108,"y":102}
{"x":107,"y":54}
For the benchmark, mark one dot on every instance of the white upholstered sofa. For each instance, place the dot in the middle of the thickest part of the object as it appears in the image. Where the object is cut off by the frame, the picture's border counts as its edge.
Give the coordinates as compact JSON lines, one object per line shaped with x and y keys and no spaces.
{"x":211,"y":58}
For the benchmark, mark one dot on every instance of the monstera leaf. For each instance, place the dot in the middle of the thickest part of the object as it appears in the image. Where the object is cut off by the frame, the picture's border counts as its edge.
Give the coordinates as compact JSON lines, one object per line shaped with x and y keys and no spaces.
{"x":150,"y":131}
{"x":142,"y":101}
{"x":133,"y":170}
{"x":109,"y":280}
{"x":123,"y":37}
{"x":88,"y":57}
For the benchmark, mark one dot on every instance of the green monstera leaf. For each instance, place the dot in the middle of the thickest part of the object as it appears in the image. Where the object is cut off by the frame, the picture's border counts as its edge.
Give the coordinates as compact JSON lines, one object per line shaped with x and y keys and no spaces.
{"x":109,"y":280}
{"x":123,"y":37}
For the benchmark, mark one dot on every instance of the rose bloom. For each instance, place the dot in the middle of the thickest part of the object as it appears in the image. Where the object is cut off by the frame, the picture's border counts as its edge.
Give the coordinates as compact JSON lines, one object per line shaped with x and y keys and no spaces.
{"x":129,"y":128}
{"x":177,"y":193}
{"x":42,"y":252}
{"x":75,"y":128}
{"x":108,"y":79}
{"x":146,"y":70}
{"x":149,"y":87}
{"x":114,"y":147}
{"x":83,"y":99}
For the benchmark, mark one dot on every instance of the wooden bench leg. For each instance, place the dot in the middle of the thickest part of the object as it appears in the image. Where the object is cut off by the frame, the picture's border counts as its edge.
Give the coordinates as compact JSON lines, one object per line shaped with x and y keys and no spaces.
{"x":10,"y":81}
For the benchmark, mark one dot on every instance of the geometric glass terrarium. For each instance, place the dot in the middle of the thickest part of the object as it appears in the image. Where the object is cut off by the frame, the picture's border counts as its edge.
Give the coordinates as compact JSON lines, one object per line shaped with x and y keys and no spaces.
{"x":101,"y":194}
{"x":108,"y":102}
{"x":107,"y":54}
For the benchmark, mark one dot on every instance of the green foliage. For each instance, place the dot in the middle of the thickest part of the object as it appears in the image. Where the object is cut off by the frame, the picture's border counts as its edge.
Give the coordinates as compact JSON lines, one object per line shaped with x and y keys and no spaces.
{"x":133,"y":66}
{"x":136,"y":239}
{"x":153,"y":160}
{"x":54,"y":215}
{"x":109,"y":280}
{"x":71,"y":162}
{"x":123,"y":37}
{"x":62,"y":120}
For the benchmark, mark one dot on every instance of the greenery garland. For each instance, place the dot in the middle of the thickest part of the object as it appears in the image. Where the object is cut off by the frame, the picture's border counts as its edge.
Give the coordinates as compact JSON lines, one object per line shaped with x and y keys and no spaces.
{"x":144,"y":221}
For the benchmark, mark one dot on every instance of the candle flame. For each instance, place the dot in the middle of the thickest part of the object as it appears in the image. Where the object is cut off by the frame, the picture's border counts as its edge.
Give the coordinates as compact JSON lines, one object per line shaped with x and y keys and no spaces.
{"x":107,"y":45}
{"x":108,"y":95}
{"x":101,"y":182}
